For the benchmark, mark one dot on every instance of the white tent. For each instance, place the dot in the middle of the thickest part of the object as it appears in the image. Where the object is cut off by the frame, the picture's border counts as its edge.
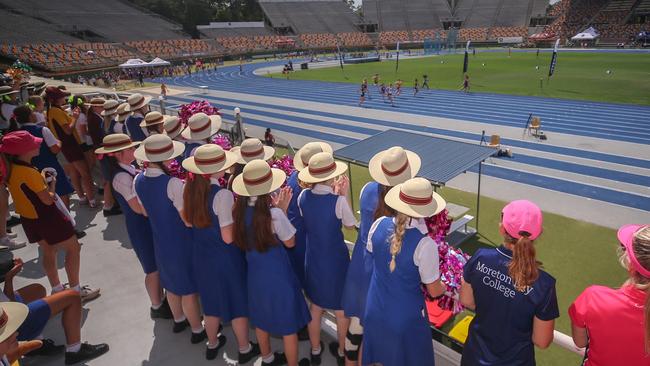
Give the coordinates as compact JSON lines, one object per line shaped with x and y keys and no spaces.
{"x":158,"y":62}
{"x":586,"y":35}
{"x":134,"y":62}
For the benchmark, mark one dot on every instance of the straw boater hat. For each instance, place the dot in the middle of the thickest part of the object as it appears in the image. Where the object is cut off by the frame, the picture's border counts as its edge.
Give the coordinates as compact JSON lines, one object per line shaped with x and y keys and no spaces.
{"x":137,"y":101}
{"x":301,"y":159}
{"x":322,"y":167}
{"x":415,"y":198}
{"x":201,"y":126}
{"x":97,"y":102}
{"x":394,"y":166}
{"x":110,"y":107}
{"x":258,"y":178}
{"x":252,"y":149}
{"x":158,"y":148}
{"x":116,"y":142}
{"x":122,"y":112}
{"x":209,"y":159}
{"x":152,"y":119}
{"x":12,"y":315}
{"x":173,"y":126}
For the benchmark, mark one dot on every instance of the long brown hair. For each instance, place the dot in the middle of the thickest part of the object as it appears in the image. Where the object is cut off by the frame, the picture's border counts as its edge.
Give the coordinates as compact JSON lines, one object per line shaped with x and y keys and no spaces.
{"x":262,"y":224}
{"x":195,"y":202}
{"x":382,"y":208}
{"x":524,"y":266}
{"x":641,"y":248}
{"x":396,"y":238}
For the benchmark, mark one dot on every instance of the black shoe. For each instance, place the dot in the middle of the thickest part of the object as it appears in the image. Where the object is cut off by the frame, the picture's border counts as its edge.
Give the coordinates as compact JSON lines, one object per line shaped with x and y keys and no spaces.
{"x":220,"y":329}
{"x":303,"y":334}
{"x":246,"y":357}
{"x":334,"y":350}
{"x":278,"y":359}
{"x":115,"y":210}
{"x":316,"y":359}
{"x":163,"y":312}
{"x":198,"y":337}
{"x":211,"y":354}
{"x":47,"y":349}
{"x":180,"y":326}
{"x":100,"y":190}
{"x":87,"y":352}
{"x":80,"y":233}
{"x":13,"y":221}
{"x":304,"y":362}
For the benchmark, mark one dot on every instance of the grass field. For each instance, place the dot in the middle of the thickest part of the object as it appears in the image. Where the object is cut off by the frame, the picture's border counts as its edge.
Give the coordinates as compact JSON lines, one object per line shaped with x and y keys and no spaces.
{"x":577,"y":75}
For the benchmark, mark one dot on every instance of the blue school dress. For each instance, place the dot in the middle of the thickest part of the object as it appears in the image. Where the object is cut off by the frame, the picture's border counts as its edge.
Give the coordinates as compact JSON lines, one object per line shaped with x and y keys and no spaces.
{"x":360,"y":270}
{"x":172,"y":239}
{"x":47,"y":159}
{"x":220,"y":270}
{"x":396,"y":331}
{"x":133,"y":129}
{"x":297,"y":253}
{"x":139,"y":231}
{"x":276,"y":304}
{"x":327,"y":257}
{"x":111,"y":127}
{"x":189,"y":148}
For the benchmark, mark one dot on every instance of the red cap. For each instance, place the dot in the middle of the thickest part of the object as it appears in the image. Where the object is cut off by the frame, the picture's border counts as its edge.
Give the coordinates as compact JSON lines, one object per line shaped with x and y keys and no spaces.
{"x":19,"y":142}
{"x":522,"y":216}
{"x":54,"y":93}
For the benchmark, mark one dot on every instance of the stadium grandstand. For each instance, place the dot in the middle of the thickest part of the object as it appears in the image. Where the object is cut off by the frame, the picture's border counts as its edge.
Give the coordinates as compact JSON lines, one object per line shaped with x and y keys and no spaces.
{"x":69,"y":36}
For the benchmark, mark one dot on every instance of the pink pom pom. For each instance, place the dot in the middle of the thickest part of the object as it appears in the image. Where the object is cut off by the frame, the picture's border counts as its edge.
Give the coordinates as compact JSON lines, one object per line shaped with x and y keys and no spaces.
{"x":188,"y":110}
{"x":223,"y":141}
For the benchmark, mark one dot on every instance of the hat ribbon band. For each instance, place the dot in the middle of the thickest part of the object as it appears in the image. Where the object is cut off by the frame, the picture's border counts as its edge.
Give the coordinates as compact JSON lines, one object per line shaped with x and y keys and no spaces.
{"x":139,"y":101}
{"x":117,"y":144}
{"x":415,"y":201}
{"x":210,"y":161}
{"x":394,"y":173}
{"x":175,"y":128}
{"x":159,"y":150}
{"x":249,"y":154}
{"x":157,"y":120}
{"x":4,"y":319}
{"x":263,"y":179}
{"x":323,"y":170}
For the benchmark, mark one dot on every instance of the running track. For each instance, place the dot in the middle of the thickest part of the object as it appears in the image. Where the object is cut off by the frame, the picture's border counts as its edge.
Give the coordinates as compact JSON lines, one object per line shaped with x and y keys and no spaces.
{"x":613,"y":178}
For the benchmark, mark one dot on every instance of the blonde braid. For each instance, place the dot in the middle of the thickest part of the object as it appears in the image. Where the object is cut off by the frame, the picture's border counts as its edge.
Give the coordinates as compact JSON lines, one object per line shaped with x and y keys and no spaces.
{"x":396,"y":238}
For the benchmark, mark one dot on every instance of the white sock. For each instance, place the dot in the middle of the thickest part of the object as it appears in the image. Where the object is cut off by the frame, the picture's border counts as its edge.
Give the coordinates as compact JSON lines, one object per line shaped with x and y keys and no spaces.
{"x":246,"y":349}
{"x":74,"y":348}
{"x":77,"y":288}
{"x":210,"y":346}
{"x":268,"y":359}
{"x":341,"y":354}
{"x":180,"y":320}
{"x":316,"y":351}
{"x":57,"y":288}
{"x":156,"y":307}
{"x":197,"y":331}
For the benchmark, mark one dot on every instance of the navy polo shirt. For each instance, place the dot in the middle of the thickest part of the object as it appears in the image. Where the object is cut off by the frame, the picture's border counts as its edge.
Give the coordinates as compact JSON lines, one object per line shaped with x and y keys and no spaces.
{"x":501,"y":332}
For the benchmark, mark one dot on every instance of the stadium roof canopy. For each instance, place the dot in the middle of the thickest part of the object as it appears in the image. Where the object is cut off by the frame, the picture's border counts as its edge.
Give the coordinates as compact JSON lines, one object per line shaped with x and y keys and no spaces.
{"x":442,"y":159}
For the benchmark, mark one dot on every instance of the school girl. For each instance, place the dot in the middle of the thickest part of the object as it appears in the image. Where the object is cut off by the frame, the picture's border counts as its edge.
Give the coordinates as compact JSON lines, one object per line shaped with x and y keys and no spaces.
{"x":389,"y":95}
{"x":276,"y":304}
{"x":398,"y":87}
{"x":161,"y":196}
{"x":362,"y":95}
{"x":382,"y":91}
{"x":152,"y":123}
{"x":249,"y":150}
{"x":388,"y":168}
{"x":465,"y":86}
{"x":173,"y":127}
{"x":416,"y":87}
{"x":300,"y":162}
{"x":99,"y":117}
{"x":397,"y":331}
{"x":117,"y":150}
{"x":516,"y":309}
{"x":325,"y":210}
{"x":425,"y":82}
{"x":220,"y":266}
{"x":200,"y":127}
{"x":62,"y":126}
{"x":139,"y":107}
{"x":117,"y":123}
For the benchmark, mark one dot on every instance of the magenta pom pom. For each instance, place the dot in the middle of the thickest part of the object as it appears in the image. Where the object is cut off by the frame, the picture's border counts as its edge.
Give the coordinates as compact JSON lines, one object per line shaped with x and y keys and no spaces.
{"x":188,"y":110}
{"x":223,"y":141}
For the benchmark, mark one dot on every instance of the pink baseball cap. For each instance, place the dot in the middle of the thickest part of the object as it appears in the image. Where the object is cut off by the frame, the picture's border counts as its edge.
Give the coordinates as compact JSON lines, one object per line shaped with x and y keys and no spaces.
{"x":626,"y":237}
{"x":520,"y":217}
{"x":19,"y":142}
